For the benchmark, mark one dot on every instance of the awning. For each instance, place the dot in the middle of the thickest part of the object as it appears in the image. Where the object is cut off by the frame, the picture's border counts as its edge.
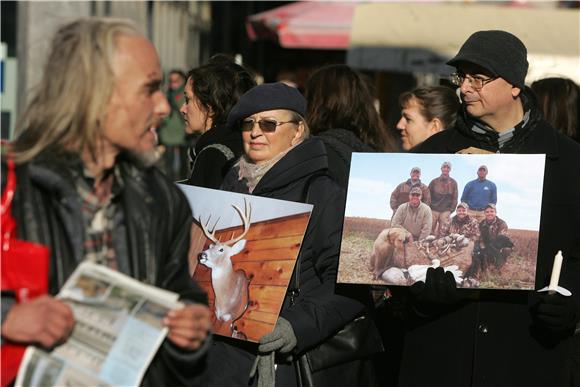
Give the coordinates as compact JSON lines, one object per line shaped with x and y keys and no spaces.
{"x":313,"y":24}
{"x":422,"y":37}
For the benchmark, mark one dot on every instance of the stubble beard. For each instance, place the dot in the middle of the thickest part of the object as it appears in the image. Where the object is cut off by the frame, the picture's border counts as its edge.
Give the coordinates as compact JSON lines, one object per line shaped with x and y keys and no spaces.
{"x":148,"y":158}
{"x":150,"y":154}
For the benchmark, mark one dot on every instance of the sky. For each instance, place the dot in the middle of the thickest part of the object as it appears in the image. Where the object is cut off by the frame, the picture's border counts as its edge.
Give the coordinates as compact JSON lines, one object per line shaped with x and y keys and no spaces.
{"x":518,"y":178}
{"x":205,"y":202}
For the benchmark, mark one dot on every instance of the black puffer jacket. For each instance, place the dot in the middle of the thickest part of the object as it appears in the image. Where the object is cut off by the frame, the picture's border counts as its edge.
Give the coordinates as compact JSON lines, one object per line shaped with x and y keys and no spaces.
{"x":491,"y":341}
{"x":340,"y":143}
{"x":213,"y":155}
{"x":157,"y":223}
{"x":320,"y":309}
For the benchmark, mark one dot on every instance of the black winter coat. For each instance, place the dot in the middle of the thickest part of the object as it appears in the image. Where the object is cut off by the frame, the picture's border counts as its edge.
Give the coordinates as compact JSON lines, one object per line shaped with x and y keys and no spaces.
{"x":320,"y":310}
{"x":157,"y":226}
{"x":491,"y":341}
{"x":340,"y":143}
{"x":214,"y":154}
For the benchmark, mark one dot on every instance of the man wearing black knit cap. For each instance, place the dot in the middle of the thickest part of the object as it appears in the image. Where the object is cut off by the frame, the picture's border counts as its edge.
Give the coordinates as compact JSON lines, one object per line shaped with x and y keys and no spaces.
{"x":502,"y":337}
{"x":491,"y":70}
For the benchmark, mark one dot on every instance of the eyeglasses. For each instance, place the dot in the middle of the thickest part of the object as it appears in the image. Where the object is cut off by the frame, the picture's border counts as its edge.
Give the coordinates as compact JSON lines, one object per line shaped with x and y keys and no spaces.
{"x":475,"y":81}
{"x":415,"y":194}
{"x":267,"y":126}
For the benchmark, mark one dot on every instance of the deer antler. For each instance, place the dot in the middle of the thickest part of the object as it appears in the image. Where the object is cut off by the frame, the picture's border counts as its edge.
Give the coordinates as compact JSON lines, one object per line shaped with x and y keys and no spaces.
{"x":246,"y":215}
{"x":210,"y":235}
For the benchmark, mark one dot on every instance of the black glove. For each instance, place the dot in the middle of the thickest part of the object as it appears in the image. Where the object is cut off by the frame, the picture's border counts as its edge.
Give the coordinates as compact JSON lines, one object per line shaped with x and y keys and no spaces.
{"x":436,"y":294}
{"x":555,"y":313}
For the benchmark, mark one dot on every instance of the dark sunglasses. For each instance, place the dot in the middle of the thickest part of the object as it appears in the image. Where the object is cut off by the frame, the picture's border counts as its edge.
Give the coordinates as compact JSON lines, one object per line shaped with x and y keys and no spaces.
{"x":415,"y":194}
{"x":267,"y":126}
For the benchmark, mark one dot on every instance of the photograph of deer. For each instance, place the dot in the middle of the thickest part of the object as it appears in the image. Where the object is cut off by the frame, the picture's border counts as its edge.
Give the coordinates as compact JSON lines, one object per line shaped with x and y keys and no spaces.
{"x":408,"y":212}
{"x":243,"y":250}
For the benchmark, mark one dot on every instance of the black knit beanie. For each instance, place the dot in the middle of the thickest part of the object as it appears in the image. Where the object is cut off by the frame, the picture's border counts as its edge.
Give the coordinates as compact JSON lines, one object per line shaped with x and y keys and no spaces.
{"x":499,"y":52}
{"x":268,"y":96}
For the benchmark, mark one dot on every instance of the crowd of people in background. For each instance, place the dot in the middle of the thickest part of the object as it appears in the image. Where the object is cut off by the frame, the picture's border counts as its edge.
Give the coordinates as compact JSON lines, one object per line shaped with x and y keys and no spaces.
{"x":347,"y":121}
{"x":88,"y":188}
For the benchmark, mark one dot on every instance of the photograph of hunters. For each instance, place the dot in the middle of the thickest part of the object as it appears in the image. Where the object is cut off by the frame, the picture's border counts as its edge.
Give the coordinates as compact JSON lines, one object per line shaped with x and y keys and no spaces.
{"x":477,"y":216}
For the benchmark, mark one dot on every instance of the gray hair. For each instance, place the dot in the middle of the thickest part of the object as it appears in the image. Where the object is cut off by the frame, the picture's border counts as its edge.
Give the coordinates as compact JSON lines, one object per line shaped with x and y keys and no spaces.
{"x":297,"y":117}
{"x":70,"y":103}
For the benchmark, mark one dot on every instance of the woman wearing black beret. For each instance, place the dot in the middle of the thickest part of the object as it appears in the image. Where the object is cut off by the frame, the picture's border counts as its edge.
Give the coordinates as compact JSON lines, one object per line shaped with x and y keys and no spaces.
{"x":281,"y":162}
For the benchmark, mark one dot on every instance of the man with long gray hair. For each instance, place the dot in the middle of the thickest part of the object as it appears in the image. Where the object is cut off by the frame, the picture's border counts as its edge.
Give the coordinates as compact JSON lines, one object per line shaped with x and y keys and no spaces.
{"x":87,"y":190}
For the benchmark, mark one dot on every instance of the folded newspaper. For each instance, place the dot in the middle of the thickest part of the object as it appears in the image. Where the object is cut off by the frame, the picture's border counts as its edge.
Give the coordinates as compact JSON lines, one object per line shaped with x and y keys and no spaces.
{"x":119,"y":328}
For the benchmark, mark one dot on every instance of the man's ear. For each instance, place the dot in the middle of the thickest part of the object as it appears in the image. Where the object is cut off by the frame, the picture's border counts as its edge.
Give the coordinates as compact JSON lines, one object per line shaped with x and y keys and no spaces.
{"x":516,"y":92}
{"x":435,"y":126}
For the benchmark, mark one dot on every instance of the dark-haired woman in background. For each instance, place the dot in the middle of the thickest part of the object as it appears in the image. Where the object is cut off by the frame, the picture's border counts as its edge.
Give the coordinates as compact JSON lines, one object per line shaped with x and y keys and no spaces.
{"x":210,"y":93}
{"x":559,"y":101}
{"x":341,"y":111}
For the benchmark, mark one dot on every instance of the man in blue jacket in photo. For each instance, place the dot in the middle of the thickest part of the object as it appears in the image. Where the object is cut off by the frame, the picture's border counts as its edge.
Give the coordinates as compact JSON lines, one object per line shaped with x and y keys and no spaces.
{"x":479,"y":193}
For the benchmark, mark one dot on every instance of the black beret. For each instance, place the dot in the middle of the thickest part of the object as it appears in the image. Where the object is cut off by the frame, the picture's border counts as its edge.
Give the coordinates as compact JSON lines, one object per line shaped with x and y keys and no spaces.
{"x":268,"y":96}
{"x":499,"y":52}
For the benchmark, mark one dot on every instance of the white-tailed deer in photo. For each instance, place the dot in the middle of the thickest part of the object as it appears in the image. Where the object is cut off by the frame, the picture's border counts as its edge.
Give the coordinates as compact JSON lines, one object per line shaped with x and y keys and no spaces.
{"x":231,"y":288}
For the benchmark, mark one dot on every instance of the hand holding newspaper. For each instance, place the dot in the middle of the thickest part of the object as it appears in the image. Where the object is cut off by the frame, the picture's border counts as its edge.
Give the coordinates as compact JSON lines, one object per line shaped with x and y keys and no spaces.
{"x":119,"y":328}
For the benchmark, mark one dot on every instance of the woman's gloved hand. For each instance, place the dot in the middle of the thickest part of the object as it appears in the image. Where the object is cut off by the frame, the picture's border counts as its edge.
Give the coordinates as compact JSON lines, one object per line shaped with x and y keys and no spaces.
{"x":282,"y":339}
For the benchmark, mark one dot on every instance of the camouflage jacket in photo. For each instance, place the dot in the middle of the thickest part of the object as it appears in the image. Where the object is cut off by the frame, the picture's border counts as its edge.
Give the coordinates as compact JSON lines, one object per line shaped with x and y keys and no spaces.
{"x":467,"y":226}
{"x":490,"y":231}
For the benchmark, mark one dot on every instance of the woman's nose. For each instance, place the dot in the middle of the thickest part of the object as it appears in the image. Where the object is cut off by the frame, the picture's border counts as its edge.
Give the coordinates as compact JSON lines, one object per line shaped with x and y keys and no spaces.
{"x":401,"y":124}
{"x":256,"y":130}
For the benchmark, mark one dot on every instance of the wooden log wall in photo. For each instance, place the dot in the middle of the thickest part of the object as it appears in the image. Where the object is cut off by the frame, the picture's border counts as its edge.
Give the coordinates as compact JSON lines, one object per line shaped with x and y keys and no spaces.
{"x":268,"y":260}
{"x":197,"y":242}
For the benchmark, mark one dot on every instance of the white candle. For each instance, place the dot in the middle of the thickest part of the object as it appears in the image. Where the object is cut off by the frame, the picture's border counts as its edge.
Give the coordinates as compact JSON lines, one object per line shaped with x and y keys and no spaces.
{"x":556,"y":271}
